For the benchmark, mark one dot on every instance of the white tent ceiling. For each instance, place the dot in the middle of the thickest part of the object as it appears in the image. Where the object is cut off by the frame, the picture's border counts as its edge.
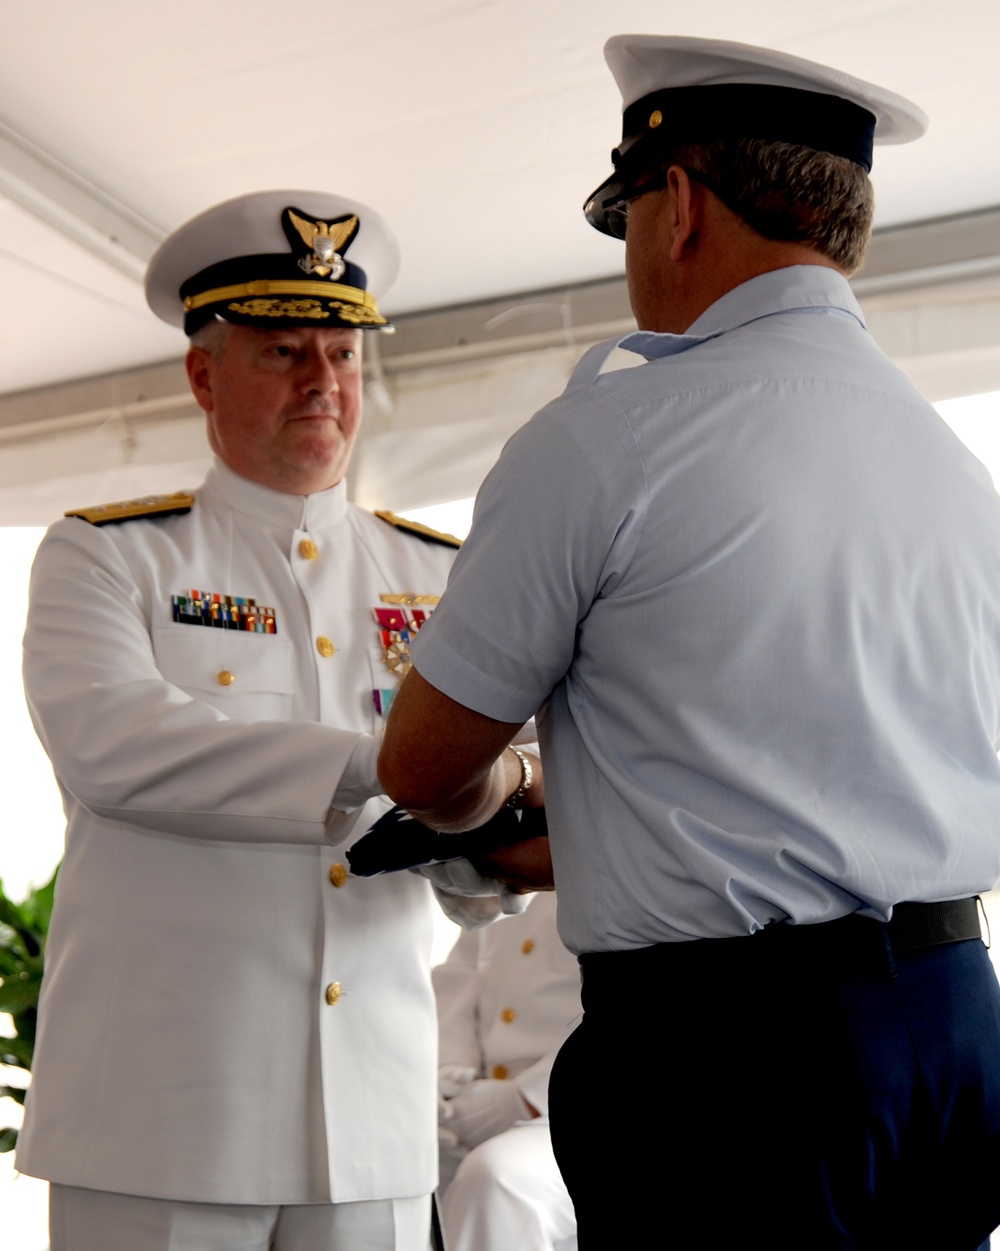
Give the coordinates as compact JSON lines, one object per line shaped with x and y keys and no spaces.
{"x":475,"y":126}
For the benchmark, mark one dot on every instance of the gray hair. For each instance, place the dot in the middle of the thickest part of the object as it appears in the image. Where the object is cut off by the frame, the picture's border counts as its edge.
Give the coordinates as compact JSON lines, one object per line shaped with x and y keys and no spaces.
{"x":211,"y":337}
{"x":788,"y":193}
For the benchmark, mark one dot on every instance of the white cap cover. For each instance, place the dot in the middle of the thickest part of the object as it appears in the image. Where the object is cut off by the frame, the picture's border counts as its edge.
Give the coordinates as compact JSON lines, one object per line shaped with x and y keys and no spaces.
{"x":677,"y":87}
{"x":643,"y":64}
{"x":275,"y":257}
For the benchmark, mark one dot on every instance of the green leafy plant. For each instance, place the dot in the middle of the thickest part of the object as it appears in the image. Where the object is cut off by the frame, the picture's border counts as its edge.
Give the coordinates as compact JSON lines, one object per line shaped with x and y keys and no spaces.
{"x":23,"y":930}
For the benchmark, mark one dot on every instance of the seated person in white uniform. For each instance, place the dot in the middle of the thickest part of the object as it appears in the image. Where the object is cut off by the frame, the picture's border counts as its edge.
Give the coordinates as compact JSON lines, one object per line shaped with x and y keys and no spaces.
{"x":508,"y":996}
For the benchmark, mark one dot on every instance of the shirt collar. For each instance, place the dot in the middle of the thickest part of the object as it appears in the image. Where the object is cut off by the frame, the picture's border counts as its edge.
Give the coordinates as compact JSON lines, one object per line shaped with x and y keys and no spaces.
{"x":314,"y":512}
{"x":797,"y":288}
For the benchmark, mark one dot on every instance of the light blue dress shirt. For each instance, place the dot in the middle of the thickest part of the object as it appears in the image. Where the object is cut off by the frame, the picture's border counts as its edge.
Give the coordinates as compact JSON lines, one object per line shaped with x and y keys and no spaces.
{"x":757,"y":581}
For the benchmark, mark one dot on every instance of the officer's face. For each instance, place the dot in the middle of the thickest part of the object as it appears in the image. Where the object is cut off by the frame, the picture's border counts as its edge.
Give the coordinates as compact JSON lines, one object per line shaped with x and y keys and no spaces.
{"x":283,"y":405}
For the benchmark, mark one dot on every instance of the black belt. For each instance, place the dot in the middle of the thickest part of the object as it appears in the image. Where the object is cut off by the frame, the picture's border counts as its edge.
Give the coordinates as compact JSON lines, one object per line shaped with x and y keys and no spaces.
{"x":849,"y":940}
{"x":915,"y":926}
{"x":859,"y":940}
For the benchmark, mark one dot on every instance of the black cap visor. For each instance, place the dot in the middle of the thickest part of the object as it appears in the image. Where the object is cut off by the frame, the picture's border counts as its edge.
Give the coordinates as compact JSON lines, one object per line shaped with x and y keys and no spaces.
{"x":732,"y":111}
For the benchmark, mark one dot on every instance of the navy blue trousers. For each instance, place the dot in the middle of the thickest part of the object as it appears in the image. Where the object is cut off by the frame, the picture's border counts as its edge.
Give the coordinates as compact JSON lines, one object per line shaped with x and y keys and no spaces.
{"x":773,"y":1090}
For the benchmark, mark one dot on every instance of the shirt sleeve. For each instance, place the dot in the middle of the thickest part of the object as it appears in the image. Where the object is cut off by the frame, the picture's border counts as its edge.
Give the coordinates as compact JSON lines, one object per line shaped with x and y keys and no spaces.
{"x":550,"y":535}
{"x":130,"y":746}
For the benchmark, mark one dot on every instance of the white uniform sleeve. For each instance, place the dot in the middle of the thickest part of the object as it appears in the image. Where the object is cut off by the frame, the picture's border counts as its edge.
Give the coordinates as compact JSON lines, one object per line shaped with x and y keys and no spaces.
{"x":130,"y":746}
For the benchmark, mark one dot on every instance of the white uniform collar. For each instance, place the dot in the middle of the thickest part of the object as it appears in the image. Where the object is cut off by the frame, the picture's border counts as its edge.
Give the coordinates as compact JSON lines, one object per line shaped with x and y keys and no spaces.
{"x":314,"y":512}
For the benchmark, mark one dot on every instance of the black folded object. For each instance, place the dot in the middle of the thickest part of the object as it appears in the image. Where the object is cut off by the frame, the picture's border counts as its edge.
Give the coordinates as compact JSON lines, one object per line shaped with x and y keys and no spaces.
{"x":398,"y":841}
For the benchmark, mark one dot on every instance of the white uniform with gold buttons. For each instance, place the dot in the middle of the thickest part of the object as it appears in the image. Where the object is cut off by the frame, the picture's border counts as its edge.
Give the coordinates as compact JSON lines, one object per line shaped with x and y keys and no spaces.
{"x":265,"y":1024}
{"x":508,"y":996}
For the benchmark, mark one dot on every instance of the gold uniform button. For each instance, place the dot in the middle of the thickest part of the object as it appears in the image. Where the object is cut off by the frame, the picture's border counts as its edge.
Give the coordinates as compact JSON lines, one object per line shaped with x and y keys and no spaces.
{"x":655,"y":119}
{"x":225,"y":678}
{"x":325,"y":646}
{"x":333,"y":993}
{"x":338,"y":874}
{"x":508,"y":1015}
{"x":308,"y":549}
{"x":528,"y":946}
{"x":500,"y":1072}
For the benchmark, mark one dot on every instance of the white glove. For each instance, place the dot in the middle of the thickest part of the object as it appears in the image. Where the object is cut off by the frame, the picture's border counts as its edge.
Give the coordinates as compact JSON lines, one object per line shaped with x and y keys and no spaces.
{"x":453,"y":1079}
{"x":468,"y":898}
{"x":458,"y":877}
{"x":483,"y":1109}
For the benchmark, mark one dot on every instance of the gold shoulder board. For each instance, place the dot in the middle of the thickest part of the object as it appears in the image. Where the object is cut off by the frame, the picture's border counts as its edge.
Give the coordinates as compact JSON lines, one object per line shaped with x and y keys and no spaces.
{"x":418,"y":530}
{"x":133,"y":510}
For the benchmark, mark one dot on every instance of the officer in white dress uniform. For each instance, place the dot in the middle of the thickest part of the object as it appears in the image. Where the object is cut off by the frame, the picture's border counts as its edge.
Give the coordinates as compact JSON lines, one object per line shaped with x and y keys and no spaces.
{"x":237,"y":1038}
{"x":508,"y":996}
{"x":755,"y":584}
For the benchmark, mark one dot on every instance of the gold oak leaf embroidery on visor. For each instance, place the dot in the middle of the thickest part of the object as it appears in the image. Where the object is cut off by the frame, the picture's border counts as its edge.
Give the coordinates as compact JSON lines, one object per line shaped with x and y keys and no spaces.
{"x":280,"y":308}
{"x":356,"y":314}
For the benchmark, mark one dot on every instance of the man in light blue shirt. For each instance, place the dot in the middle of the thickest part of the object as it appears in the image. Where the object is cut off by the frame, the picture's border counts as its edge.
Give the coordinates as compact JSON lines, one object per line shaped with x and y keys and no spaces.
{"x":755,"y":586}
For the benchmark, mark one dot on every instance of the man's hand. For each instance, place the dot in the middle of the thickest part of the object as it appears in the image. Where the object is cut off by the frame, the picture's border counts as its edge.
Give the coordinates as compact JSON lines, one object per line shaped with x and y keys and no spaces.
{"x":483,"y":1109}
{"x":524,"y":866}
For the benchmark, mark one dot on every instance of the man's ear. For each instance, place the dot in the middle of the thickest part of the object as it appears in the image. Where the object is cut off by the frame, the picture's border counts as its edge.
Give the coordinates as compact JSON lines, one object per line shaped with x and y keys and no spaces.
{"x":686,"y":206}
{"x":199,"y":365}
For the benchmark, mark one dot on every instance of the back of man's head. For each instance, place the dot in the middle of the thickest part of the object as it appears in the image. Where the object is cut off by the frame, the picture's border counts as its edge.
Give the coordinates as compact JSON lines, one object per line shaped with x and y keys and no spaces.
{"x":786,"y":192}
{"x":784,"y":143}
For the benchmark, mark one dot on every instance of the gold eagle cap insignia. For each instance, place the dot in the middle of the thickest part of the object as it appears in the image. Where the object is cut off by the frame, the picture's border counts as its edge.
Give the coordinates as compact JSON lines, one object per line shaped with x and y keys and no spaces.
{"x":325,"y":241}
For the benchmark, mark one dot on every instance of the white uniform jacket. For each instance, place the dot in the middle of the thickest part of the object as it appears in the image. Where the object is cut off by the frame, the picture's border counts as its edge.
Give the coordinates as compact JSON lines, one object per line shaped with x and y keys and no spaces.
{"x":224,"y":1018}
{"x":508,"y":997}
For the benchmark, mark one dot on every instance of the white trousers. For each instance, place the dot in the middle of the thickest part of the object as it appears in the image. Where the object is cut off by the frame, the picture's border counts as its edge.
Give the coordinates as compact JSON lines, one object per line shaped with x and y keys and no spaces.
{"x":98,"y":1220}
{"x":508,"y":1195}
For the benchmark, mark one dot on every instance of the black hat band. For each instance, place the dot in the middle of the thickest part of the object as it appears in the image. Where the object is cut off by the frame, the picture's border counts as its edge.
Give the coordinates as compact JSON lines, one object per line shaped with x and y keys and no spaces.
{"x":811,"y":119}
